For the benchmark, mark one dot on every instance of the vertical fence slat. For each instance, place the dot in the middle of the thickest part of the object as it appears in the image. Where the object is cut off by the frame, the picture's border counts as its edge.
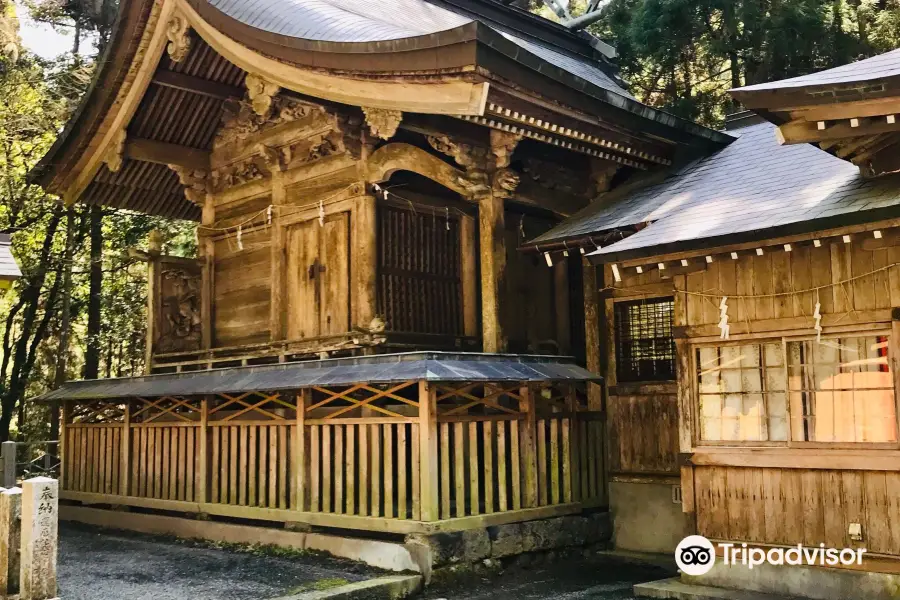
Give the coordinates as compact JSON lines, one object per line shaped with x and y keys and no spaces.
{"x":350,"y":501}
{"x":272,"y":467}
{"x":502,"y":457}
{"x":542,"y":461}
{"x":416,"y":469}
{"x":364,"y":460}
{"x":566,"y":462}
{"x":445,"y":470}
{"x":283,"y":432}
{"x":315,"y":461}
{"x":327,"y":473}
{"x":554,"y":461}
{"x":488,"y":466}
{"x":338,"y":468}
{"x":474,"y":470}
{"x":402,"y":512}
{"x":460,"y":467}
{"x":376,"y":470}
{"x":234,"y":456}
{"x":389,"y":470}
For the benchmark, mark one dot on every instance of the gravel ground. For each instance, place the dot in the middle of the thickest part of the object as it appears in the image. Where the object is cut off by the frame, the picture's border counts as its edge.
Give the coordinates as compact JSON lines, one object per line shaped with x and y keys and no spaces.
{"x":97,"y":564}
{"x":566,"y":579}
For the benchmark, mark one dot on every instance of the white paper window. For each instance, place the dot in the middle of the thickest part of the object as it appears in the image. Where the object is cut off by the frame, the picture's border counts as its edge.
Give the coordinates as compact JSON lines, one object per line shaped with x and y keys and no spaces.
{"x":742,"y":393}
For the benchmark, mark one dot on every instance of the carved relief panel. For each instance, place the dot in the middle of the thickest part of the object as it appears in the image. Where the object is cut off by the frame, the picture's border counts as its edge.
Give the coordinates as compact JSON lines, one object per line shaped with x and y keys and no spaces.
{"x":177,"y":320}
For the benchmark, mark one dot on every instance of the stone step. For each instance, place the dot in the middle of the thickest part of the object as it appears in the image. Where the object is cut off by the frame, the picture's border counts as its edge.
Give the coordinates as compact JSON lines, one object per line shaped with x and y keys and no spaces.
{"x":674,"y":589}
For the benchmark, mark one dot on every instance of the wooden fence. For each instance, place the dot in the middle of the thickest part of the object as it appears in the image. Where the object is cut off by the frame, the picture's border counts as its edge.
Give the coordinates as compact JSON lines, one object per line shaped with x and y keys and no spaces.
{"x":389,"y":457}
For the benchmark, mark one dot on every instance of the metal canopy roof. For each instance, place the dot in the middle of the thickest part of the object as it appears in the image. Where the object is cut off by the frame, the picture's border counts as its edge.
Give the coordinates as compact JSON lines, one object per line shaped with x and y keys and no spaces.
{"x":386,"y":368}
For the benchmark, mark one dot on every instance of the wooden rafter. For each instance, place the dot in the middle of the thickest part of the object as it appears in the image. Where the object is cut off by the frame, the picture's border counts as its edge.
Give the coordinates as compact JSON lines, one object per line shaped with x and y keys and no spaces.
{"x":164,"y":153}
{"x":802,"y":131}
{"x":196,"y":85}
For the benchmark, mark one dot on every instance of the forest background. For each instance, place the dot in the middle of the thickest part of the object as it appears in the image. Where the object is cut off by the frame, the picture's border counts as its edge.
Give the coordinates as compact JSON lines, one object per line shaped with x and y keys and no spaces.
{"x":79,"y":309}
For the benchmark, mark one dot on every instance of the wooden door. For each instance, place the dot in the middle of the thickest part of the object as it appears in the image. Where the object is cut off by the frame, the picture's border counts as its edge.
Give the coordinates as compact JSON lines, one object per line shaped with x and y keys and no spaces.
{"x":334,"y":253}
{"x":318,"y":277}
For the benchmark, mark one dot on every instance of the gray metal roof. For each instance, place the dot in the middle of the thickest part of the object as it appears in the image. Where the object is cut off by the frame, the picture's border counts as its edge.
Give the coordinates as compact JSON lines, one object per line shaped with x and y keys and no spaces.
{"x":386,"y":368}
{"x":877,"y":67}
{"x":364,"y":21}
{"x":8,"y":267}
{"x":753,"y":186}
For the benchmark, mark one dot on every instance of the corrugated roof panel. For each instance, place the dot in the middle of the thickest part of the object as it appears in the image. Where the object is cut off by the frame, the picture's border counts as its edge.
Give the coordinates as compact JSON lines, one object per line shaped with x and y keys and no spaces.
{"x":383,"y":369}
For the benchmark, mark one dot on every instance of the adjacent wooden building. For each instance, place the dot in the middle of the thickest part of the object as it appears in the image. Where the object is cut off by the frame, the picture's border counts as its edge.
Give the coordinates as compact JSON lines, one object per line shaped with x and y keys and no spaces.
{"x":748,"y":304}
{"x":360,"y":343}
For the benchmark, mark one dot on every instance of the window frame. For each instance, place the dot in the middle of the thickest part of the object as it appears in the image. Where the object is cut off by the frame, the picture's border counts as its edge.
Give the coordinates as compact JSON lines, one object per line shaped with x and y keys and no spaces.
{"x":790,"y":443}
{"x":614,"y":338}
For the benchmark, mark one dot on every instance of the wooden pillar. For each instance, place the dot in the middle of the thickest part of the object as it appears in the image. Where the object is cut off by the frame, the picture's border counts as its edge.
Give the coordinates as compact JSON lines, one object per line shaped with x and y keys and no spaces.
{"x":201,"y":493}
{"x":208,"y":255}
{"x":563,"y":318}
{"x":592,"y":341}
{"x":528,"y":450}
{"x":277,"y":309}
{"x":155,"y":249}
{"x":491,"y":232}
{"x":469,"y":260}
{"x":428,"y":452}
{"x":125,"y":462}
{"x":684,"y":378}
{"x":364,"y":265}
{"x":303,"y":400}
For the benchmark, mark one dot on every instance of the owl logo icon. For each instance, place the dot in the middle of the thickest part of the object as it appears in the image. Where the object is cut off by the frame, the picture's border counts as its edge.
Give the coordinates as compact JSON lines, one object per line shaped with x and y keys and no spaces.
{"x":695,"y":555}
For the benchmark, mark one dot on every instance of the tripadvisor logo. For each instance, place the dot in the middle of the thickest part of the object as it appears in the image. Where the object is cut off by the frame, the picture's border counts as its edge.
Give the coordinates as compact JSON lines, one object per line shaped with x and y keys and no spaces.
{"x":696,"y":555}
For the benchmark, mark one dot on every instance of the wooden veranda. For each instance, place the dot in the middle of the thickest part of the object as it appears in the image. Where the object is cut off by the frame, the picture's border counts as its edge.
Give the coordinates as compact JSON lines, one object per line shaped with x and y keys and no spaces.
{"x":400,"y":456}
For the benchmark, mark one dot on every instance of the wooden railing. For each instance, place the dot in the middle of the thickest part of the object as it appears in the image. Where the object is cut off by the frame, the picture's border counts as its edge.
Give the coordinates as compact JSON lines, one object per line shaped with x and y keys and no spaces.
{"x":382,"y":455}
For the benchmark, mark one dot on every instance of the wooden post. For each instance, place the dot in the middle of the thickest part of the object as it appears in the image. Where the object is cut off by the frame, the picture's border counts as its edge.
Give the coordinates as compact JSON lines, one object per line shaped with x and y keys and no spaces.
{"x":493,"y":268}
{"x":592,"y":317}
{"x":469,"y":260}
{"x":155,"y":249}
{"x":428,"y":452}
{"x":125,"y":463}
{"x":561,"y":296}
{"x":207,"y":252}
{"x":278,"y":254}
{"x":303,"y":400}
{"x":65,"y":417}
{"x":201,"y":494}
{"x":528,"y":451}
{"x":365,"y":261}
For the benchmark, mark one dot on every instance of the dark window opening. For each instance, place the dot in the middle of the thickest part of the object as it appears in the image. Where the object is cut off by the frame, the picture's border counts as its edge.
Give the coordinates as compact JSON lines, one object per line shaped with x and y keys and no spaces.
{"x":645,"y":346}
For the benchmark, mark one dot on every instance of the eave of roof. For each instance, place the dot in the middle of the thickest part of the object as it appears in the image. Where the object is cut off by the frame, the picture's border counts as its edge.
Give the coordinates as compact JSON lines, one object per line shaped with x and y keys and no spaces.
{"x":752,"y":190}
{"x":9,"y":269}
{"x":379,"y":369}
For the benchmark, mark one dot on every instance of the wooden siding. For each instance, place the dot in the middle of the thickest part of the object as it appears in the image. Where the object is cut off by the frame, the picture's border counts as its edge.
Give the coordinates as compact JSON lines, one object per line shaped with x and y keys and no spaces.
{"x":643,"y":434}
{"x":242,"y":288}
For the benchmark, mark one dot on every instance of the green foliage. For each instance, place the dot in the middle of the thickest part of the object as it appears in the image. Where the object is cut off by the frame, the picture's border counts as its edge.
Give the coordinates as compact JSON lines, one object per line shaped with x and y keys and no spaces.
{"x":684,"y":55}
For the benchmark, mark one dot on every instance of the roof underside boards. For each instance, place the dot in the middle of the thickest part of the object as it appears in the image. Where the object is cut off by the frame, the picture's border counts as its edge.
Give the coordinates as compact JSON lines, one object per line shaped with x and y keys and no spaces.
{"x":8,"y":267}
{"x":383,"y":369}
{"x":878,"y":67}
{"x":751,"y":190}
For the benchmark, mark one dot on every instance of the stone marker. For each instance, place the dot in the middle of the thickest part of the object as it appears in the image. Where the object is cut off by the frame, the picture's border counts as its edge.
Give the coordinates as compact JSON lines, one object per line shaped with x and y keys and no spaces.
{"x":10,"y":539}
{"x":40,"y":531}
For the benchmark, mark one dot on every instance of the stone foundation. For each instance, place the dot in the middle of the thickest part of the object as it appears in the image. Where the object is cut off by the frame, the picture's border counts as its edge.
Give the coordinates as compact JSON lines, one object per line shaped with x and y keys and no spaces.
{"x":435,"y":551}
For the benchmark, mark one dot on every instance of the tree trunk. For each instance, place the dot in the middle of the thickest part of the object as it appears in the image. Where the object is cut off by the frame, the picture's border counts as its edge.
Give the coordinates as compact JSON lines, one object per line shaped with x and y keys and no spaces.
{"x":92,"y":354}
{"x":65,"y":321}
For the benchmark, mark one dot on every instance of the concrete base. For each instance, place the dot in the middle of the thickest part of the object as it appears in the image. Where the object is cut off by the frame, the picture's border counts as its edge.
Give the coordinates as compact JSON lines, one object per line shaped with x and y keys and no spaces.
{"x":644,"y":517}
{"x":815,"y":583}
{"x":383,"y":555}
{"x":381,"y":588}
{"x":777,"y":582}
{"x":674,"y":589}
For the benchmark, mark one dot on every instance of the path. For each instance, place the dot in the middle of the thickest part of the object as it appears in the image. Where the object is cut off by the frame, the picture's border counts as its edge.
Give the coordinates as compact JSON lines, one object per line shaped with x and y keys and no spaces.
{"x":97,"y":564}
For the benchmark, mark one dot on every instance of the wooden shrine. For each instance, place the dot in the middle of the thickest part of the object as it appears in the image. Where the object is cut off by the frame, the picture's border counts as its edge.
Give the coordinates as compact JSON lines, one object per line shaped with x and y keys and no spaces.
{"x":363,"y":189}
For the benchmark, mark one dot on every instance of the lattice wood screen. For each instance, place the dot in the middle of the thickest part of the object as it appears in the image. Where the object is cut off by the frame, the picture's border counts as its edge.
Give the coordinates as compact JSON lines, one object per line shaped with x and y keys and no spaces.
{"x":419,"y":271}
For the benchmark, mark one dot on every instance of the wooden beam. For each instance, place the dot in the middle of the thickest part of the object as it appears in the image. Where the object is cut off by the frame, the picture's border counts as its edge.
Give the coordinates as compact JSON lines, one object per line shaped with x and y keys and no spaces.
{"x":163,"y":153}
{"x":197,"y":85}
{"x":865,"y":108}
{"x":804,"y":132}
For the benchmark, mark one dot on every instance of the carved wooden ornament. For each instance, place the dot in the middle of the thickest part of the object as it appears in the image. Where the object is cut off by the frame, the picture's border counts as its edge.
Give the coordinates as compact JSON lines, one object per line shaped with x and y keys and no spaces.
{"x":261,"y":93}
{"x":383,"y":122}
{"x":178,"y":31}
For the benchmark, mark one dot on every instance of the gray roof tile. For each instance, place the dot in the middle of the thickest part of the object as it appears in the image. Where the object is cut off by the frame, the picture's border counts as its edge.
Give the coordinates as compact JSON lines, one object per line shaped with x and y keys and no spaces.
{"x":877,"y":67}
{"x":753,"y":184}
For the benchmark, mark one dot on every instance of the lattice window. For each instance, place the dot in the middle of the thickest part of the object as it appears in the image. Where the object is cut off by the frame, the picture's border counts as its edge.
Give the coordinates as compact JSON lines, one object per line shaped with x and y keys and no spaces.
{"x":480,"y":399}
{"x":842,"y":390}
{"x":419,"y":271}
{"x":742,"y":393}
{"x":98,"y":412}
{"x":165,"y":409}
{"x":261,"y":406}
{"x":645,"y":346}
